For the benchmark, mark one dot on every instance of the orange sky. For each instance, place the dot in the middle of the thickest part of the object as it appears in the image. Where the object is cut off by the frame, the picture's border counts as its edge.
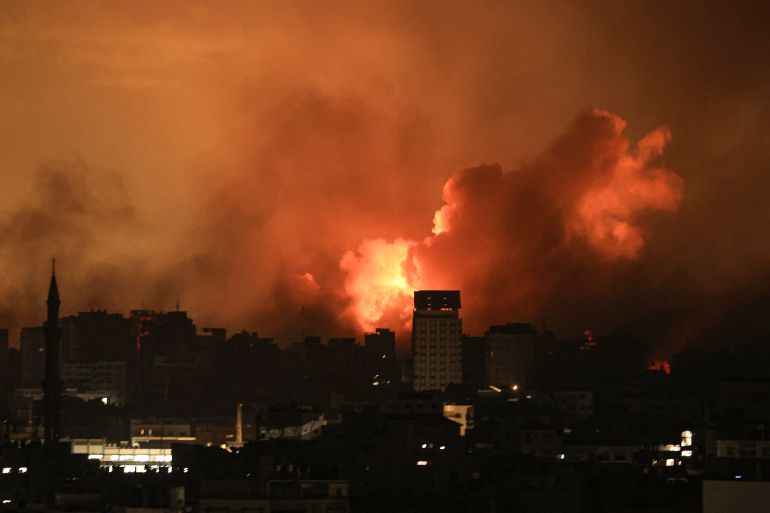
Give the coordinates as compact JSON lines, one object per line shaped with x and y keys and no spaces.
{"x":217,"y":153}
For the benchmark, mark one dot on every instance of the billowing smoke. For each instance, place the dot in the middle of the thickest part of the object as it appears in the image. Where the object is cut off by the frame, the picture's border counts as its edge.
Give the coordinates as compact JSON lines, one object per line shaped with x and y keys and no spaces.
{"x":514,"y":242}
{"x":277,"y":166}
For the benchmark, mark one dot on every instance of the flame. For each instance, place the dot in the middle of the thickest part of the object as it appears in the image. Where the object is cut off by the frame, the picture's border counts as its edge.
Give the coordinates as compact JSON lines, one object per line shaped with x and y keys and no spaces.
{"x":377,"y":282}
{"x":505,"y":228}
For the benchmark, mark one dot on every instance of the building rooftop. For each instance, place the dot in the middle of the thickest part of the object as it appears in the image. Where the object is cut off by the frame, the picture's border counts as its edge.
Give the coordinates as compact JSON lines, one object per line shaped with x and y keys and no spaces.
{"x":436,"y":299}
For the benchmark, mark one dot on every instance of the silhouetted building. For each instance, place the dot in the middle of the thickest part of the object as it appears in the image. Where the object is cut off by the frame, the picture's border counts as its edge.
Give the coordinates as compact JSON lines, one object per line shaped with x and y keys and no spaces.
{"x":473,"y":361}
{"x":32,"y":354}
{"x":3,"y":359}
{"x":380,"y":351}
{"x":436,"y":339}
{"x":108,"y":380}
{"x":97,"y":336}
{"x":510,"y":353}
{"x":345,"y":364}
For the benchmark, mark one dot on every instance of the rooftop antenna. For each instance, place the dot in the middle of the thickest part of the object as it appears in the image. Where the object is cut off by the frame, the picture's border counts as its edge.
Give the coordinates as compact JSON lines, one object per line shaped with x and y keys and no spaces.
{"x":177,"y":304}
{"x":53,"y":266}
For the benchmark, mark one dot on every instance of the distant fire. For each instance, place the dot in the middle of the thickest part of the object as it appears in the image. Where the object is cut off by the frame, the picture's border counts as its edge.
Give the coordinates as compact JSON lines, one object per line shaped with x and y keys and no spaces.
{"x":605,"y":214}
{"x":513,"y":235}
{"x":377,"y":280}
{"x":660,"y":366}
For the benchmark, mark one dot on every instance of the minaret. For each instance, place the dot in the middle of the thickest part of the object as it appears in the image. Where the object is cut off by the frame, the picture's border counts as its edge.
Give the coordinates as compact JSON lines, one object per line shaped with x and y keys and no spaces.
{"x":52,"y":383}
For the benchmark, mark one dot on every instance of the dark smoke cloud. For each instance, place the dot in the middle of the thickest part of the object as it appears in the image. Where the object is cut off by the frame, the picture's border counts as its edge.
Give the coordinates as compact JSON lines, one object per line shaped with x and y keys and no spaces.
{"x":68,"y":216}
{"x":259,"y":143}
{"x":520,"y":244}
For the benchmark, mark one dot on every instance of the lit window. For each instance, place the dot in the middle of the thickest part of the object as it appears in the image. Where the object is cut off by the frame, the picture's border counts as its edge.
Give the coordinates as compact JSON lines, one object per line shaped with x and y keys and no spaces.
{"x":422,"y":463}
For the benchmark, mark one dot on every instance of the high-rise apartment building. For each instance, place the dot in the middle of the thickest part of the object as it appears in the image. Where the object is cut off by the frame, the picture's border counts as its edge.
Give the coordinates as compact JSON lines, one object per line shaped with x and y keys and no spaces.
{"x":510,"y":353}
{"x":380,"y":358}
{"x":437,"y":339}
{"x":32,"y":350}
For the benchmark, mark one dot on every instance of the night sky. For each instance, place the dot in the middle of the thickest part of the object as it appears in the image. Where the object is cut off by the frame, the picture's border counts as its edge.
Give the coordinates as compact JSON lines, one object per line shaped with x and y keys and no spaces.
{"x":302,"y":167}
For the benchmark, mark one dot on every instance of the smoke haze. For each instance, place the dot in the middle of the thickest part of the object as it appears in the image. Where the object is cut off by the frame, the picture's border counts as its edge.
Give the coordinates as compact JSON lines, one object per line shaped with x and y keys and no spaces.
{"x":238,"y":158}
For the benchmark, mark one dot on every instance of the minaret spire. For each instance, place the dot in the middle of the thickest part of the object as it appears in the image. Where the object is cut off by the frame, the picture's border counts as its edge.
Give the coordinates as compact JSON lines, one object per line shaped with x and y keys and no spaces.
{"x":52,"y":383}
{"x":53,"y":294}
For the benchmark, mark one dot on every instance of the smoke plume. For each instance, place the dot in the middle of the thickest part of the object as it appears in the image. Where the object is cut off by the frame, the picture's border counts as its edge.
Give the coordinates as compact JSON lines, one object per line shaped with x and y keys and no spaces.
{"x":278,"y":166}
{"x":514,"y":241}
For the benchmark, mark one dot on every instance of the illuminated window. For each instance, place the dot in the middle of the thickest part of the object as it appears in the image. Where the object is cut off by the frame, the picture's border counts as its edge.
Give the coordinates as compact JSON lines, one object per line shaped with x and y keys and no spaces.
{"x":422,"y":463}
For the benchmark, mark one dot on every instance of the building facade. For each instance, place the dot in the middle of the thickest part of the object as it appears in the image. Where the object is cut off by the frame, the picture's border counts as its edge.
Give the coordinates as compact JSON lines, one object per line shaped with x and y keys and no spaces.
{"x":510,"y":353}
{"x":436,"y":339}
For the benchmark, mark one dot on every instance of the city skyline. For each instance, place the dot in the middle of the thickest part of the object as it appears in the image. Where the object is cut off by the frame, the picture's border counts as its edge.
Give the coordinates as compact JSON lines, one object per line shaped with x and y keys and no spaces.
{"x":384,"y":256}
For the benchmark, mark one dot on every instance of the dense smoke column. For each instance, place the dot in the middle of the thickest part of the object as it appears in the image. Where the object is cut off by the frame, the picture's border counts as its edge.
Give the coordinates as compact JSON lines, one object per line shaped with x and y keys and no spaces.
{"x":516,"y":242}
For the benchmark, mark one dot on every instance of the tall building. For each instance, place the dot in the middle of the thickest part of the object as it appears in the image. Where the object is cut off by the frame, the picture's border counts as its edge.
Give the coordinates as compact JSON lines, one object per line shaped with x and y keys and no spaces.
{"x":473,"y":361}
{"x":52,"y":384}
{"x":436,"y":339}
{"x":3,"y":359}
{"x":380,"y":357}
{"x":108,"y":379}
{"x":97,"y":336}
{"x":510,"y":353}
{"x":32,"y":351}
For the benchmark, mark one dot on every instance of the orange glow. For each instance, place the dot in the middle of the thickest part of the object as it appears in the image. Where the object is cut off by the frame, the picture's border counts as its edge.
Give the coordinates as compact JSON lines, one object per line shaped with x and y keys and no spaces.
{"x":517,"y":229}
{"x":377,"y":281}
{"x":441,"y":220}
{"x":443,"y":217}
{"x":660,"y":366}
{"x":589,"y":341}
{"x":606,"y":212}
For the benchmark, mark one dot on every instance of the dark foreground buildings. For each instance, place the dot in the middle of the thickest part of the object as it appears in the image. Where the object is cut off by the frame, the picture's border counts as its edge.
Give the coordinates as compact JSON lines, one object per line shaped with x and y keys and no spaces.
{"x":102,"y":412}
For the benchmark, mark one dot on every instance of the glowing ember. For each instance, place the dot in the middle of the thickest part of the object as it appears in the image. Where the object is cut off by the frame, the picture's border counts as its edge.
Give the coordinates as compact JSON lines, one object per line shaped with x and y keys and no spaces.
{"x":660,"y":366}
